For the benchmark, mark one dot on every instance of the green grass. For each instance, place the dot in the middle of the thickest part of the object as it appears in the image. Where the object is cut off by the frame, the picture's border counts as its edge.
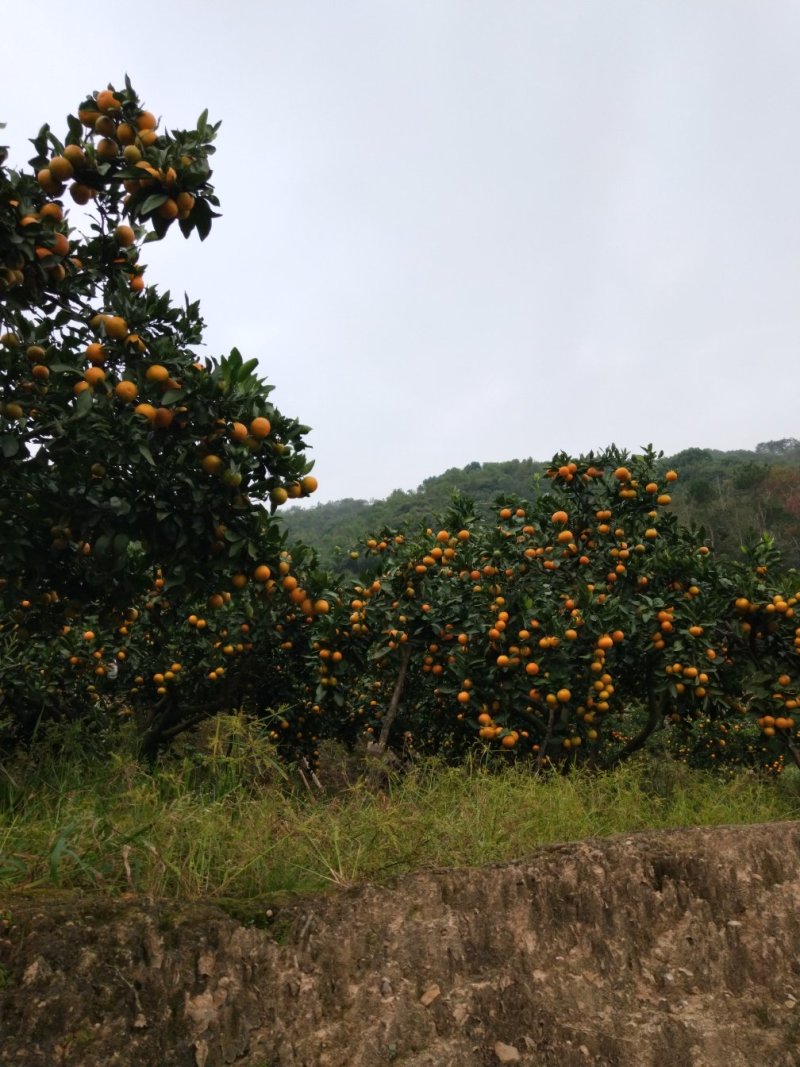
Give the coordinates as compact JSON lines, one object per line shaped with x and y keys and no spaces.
{"x":226,"y":821}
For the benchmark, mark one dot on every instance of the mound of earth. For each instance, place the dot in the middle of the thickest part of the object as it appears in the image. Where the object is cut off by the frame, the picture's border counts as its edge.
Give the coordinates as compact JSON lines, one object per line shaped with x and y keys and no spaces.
{"x":670,"y":949}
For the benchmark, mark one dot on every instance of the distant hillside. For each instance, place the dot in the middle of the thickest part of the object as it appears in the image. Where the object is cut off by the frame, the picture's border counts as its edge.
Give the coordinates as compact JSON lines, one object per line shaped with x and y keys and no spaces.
{"x":734,"y":495}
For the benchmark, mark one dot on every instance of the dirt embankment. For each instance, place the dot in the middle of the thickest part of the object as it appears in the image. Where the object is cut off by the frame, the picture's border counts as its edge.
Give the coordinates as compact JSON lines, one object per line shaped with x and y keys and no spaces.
{"x":676,"y":949}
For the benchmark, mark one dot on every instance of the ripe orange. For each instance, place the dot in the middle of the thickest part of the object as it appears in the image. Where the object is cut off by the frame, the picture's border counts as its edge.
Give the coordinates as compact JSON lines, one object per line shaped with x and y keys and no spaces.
{"x":146,"y":120}
{"x":262,"y":573}
{"x":671,"y":476}
{"x":163,"y":417}
{"x":106,"y":101}
{"x":211,"y":464}
{"x":168,"y":210}
{"x":94,"y":375}
{"x":559,"y":517}
{"x":309,"y":484}
{"x":60,"y":244}
{"x":260,"y":428}
{"x":321,"y":607}
{"x":81,"y":193}
{"x":126,"y":390}
{"x":125,"y":235}
{"x":75,"y":154}
{"x":622,"y":474}
{"x":156,"y":372}
{"x":95,"y":353}
{"x":185,"y":202}
{"x":60,"y":168}
{"x":116,"y":327}
{"x":147,"y":411}
{"x":107,"y":149}
{"x":279,"y":496}
{"x":238,"y":431}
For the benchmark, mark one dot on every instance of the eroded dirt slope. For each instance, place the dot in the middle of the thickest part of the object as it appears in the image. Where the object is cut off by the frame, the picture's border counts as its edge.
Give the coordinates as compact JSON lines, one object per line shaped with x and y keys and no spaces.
{"x":677,"y":949}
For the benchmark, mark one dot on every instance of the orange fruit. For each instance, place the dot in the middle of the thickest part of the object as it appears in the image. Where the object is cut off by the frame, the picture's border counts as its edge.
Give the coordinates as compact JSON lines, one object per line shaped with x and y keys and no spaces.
{"x":94,"y":375}
{"x":60,"y":168}
{"x":559,"y":517}
{"x":124,"y":235}
{"x":116,"y":327}
{"x":146,"y":120}
{"x":156,"y":372}
{"x":309,"y":484}
{"x":147,"y":411}
{"x":279,"y":496}
{"x":80,"y":193}
{"x":107,"y":149}
{"x":321,"y":607}
{"x":185,"y":202}
{"x":622,"y":474}
{"x":106,"y":101}
{"x":126,"y":390}
{"x":262,"y":573}
{"x":168,"y":210}
{"x":75,"y":154}
{"x":163,"y":417}
{"x":260,"y":428}
{"x":126,"y":134}
{"x":52,"y":211}
{"x":95,"y":353}
{"x":211,"y":464}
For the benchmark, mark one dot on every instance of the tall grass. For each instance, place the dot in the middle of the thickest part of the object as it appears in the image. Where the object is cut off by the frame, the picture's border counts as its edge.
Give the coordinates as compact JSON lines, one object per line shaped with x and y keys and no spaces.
{"x":225,"y":820}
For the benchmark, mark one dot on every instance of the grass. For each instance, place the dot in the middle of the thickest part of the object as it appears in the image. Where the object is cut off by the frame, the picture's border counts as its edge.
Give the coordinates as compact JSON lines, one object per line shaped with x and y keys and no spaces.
{"x":226,"y":821}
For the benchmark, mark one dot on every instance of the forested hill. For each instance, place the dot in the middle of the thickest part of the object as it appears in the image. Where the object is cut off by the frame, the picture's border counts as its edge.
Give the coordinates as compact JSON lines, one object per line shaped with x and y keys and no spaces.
{"x":735,"y":495}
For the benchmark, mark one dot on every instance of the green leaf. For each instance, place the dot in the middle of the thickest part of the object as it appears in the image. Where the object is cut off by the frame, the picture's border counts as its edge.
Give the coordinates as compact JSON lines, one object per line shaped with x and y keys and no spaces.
{"x":83,"y":403}
{"x":120,"y":543}
{"x":153,"y":202}
{"x":145,"y":451}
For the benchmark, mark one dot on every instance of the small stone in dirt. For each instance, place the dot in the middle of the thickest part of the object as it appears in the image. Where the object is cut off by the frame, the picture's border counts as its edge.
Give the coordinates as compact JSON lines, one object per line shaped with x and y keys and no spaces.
{"x":386,"y":987}
{"x":430,"y":994}
{"x":506,"y":1053}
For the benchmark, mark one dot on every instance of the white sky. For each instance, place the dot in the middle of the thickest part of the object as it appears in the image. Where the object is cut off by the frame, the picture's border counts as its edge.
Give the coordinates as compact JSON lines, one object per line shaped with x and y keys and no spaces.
{"x":460,"y":230}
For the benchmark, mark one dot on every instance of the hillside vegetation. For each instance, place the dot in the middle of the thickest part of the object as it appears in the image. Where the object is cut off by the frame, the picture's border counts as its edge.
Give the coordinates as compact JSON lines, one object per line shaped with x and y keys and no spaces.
{"x":737,"y":496}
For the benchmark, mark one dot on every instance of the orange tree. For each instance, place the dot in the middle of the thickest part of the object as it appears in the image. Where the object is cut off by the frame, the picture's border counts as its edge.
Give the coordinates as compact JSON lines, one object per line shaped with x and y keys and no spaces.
{"x":580,"y":626}
{"x":137,"y":478}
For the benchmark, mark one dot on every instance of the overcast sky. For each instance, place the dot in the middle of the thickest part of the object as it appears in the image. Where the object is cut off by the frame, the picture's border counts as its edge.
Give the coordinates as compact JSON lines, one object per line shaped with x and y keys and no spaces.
{"x":460,"y":230}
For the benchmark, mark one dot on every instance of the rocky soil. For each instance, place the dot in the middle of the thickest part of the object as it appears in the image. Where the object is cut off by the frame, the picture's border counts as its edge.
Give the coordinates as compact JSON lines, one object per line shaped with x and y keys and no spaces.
{"x":677,"y":949}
